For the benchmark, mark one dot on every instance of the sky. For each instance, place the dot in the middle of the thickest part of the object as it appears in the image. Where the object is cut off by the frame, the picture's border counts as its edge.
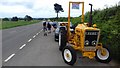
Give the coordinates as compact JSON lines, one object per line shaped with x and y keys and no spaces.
{"x":45,"y":8}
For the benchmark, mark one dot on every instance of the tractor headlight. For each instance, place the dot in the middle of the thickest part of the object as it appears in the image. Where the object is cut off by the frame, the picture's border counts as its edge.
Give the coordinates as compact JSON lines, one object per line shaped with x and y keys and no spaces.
{"x":94,"y":42}
{"x":86,"y":42}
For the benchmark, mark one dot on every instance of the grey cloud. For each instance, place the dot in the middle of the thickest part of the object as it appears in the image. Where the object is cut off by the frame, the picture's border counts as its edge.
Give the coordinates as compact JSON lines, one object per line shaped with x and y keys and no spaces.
{"x":28,"y":5}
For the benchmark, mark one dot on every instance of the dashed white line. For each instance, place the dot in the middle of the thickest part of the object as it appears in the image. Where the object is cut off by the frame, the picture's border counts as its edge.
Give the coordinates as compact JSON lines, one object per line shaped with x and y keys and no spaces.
{"x":37,"y":34}
{"x":34,"y":36}
{"x":29,"y":40}
{"x":9,"y":57}
{"x":22,"y":46}
{"x":41,"y":29}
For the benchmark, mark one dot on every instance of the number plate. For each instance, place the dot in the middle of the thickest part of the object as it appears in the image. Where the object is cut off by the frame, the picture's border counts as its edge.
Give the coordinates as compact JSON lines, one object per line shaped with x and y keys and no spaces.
{"x":89,"y":49}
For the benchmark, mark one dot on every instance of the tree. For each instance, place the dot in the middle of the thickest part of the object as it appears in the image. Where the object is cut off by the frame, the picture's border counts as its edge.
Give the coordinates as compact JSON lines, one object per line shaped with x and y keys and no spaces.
{"x":14,"y":18}
{"x":28,"y":18}
{"x":58,"y":8}
{"x":119,"y":3}
{"x":5,"y":19}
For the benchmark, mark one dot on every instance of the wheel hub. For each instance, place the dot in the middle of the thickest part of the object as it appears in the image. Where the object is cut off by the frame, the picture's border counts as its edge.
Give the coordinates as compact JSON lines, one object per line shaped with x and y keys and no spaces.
{"x":67,"y":55}
{"x":103,"y":53}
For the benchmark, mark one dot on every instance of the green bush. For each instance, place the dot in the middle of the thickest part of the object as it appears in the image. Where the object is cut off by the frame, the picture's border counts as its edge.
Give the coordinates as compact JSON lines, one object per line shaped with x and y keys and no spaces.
{"x":109,"y":23}
{"x":108,"y":20}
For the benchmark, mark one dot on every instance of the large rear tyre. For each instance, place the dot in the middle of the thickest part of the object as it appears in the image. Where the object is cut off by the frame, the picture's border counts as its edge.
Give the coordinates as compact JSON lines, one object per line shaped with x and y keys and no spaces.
{"x":103,"y":57}
{"x":62,"y":39}
{"x":69,"y":55}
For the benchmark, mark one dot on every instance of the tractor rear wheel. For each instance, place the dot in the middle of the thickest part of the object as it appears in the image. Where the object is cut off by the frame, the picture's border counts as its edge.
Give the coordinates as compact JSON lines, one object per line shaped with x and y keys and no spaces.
{"x":104,"y":55}
{"x":69,"y":55}
{"x":62,"y":39}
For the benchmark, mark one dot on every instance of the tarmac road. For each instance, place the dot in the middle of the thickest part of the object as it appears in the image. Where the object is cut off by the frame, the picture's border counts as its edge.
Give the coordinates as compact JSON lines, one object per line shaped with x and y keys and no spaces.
{"x":14,"y":38}
{"x":40,"y":51}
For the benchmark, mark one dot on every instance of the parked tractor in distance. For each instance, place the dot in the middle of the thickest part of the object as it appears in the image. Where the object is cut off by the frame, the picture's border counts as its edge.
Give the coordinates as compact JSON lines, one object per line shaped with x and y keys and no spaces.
{"x":85,"y":38}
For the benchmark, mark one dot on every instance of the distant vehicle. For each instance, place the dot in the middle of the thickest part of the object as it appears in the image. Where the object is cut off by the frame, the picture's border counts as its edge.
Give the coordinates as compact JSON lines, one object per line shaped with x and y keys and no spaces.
{"x":59,"y":26}
{"x":54,"y":24}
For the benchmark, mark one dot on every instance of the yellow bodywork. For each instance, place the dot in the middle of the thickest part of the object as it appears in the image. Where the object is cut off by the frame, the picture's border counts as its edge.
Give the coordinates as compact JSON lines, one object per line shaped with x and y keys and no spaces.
{"x":78,"y":41}
{"x":77,"y":38}
{"x":63,"y":23}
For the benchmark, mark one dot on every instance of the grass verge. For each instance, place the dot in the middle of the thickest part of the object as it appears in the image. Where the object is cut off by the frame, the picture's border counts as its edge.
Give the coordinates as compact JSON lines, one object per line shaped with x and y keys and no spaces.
{"x":11,"y":24}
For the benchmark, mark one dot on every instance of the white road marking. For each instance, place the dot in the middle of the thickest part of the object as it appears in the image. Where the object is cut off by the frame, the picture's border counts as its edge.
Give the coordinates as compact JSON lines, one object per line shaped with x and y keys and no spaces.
{"x":37,"y":34}
{"x":29,"y":40}
{"x":34,"y":36}
{"x":41,"y":29}
{"x":22,"y":46}
{"x":9,"y":57}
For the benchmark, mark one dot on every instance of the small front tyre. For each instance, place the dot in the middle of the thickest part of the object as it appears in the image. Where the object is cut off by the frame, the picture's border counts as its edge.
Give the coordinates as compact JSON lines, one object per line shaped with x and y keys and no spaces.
{"x":103,"y":56}
{"x":69,"y":55}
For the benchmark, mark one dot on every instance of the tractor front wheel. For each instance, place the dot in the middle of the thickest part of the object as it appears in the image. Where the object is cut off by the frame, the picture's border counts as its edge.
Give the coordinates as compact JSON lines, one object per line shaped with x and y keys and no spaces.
{"x":103,"y":55}
{"x":69,"y":55}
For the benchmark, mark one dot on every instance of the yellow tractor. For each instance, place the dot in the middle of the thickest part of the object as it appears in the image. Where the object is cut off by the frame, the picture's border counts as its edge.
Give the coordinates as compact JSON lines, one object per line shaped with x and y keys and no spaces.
{"x":84,"y":38}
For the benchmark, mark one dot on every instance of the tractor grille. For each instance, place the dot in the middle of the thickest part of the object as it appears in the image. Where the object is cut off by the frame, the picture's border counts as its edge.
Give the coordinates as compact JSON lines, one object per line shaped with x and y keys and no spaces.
{"x":91,"y":38}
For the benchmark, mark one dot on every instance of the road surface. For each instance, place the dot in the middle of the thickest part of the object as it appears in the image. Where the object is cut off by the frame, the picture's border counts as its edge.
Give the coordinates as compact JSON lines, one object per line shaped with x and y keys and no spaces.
{"x":14,"y":38}
{"x":39,"y":51}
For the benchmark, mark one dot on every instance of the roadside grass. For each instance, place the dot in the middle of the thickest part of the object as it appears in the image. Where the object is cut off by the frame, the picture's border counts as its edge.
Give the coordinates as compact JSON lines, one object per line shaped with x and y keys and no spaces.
{"x":11,"y":24}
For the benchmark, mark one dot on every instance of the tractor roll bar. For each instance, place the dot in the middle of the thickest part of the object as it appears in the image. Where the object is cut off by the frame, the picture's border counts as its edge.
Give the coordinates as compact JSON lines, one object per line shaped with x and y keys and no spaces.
{"x":82,"y":18}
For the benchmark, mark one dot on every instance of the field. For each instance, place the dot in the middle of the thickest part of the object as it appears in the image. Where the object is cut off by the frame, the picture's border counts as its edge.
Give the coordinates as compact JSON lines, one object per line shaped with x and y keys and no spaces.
{"x":11,"y":24}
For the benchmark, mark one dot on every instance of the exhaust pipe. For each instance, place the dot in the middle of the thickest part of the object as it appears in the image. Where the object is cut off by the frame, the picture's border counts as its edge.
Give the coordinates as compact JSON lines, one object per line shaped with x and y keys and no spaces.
{"x":90,"y":18}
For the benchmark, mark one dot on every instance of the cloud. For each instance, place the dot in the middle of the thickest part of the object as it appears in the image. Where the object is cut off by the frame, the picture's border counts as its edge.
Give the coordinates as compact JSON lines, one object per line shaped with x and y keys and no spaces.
{"x":17,"y":10}
{"x":45,"y":8}
{"x":26,"y":3}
